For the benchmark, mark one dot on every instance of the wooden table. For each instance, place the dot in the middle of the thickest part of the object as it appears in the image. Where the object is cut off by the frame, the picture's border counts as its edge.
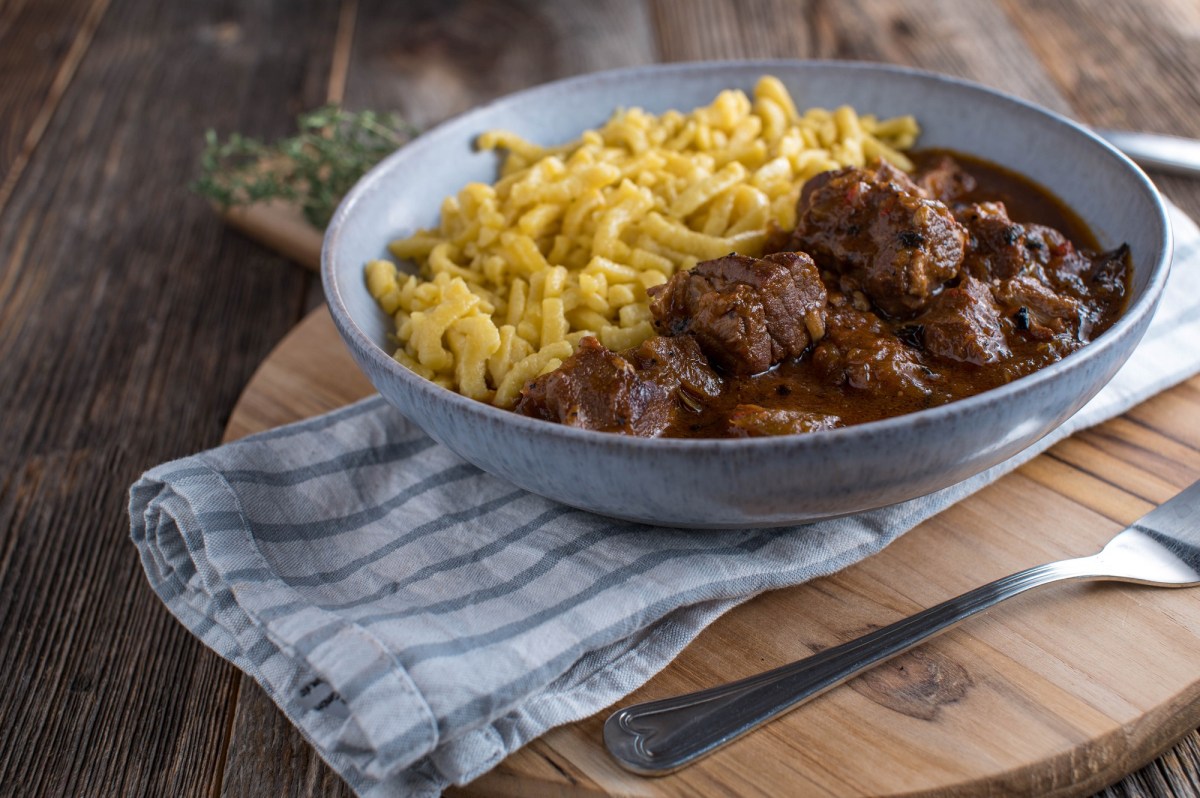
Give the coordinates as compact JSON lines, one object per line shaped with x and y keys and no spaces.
{"x":130,"y":317}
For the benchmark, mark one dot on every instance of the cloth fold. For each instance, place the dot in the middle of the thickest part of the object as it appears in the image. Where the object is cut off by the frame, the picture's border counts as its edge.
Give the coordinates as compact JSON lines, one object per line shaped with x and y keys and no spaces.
{"x":419,"y":620}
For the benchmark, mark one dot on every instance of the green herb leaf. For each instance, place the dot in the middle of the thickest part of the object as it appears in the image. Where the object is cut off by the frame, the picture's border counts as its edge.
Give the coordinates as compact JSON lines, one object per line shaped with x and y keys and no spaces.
{"x":313,"y":169}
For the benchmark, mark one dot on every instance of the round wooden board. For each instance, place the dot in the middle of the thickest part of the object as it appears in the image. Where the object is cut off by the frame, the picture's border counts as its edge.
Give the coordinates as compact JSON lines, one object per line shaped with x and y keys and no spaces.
{"x":1059,"y":692}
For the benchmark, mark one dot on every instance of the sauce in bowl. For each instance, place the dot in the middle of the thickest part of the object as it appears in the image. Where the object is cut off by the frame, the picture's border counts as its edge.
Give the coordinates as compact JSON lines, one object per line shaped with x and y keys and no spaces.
{"x":918,"y":292}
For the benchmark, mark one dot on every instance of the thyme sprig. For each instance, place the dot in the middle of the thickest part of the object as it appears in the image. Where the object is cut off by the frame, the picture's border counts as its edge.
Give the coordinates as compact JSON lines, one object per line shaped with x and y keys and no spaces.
{"x":314,"y":169}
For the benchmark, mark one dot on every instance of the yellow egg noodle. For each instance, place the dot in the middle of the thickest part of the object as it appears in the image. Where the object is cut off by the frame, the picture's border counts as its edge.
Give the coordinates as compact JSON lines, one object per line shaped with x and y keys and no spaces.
{"x":567,"y":241}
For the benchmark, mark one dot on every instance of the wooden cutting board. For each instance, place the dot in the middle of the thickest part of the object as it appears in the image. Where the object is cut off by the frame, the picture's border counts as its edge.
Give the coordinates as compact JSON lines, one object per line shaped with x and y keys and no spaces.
{"x":1061,"y":691}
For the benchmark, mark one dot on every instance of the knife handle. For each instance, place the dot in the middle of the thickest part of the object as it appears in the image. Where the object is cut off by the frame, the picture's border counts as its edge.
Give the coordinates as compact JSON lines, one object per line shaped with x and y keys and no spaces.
{"x":1157,"y":151}
{"x":658,"y":737}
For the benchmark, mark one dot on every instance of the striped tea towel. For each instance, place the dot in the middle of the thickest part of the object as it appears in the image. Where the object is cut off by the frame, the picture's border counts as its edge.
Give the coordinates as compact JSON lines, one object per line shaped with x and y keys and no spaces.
{"x":418,"y":619}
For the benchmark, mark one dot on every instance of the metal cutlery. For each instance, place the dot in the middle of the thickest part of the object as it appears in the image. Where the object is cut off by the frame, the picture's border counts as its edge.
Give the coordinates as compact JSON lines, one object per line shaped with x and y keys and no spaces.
{"x":1161,"y":549}
{"x":1156,"y":150}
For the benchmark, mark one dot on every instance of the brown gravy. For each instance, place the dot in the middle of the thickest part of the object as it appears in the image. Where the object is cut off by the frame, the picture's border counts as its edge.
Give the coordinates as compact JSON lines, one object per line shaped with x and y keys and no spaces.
{"x":796,"y":384}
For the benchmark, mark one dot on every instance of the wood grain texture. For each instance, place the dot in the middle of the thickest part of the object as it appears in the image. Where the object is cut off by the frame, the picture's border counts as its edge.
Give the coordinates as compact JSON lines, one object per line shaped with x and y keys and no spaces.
{"x":281,"y":227}
{"x":1124,"y":65}
{"x":129,"y":320}
{"x":940,"y":35}
{"x":432,"y":59}
{"x":1091,"y":61}
{"x":36,"y":76}
{"x":709,"y":30}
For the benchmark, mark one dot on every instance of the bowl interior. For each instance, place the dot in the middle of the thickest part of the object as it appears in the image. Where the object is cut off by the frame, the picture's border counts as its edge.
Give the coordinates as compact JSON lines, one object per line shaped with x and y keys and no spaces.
{"x":767,"y":481}
{"x":405,"y":192}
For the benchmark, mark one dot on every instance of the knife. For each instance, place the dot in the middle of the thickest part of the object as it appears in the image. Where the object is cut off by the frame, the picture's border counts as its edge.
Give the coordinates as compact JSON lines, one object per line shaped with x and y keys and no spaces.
{"x":1156,"y":150}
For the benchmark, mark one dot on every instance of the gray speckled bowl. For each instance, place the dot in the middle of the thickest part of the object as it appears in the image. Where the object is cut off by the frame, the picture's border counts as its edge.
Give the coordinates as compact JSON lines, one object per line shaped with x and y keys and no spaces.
{"x":764,"y":481}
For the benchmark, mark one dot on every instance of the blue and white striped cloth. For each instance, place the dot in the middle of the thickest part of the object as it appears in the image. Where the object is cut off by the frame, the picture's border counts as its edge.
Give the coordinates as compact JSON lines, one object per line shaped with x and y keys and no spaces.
{"x":418,"y":619}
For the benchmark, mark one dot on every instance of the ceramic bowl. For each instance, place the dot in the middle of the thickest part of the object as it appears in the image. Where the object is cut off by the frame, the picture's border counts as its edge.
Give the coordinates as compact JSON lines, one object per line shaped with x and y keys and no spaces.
{"x":762,"y":481}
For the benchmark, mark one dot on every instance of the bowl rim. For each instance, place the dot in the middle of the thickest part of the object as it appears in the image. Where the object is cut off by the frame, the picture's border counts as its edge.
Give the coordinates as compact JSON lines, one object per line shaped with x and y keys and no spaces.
{"x":356,"y":338}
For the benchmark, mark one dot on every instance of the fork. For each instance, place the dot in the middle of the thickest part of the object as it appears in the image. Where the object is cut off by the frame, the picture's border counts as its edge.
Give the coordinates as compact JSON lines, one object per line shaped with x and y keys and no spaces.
{"x":1161,"y":549}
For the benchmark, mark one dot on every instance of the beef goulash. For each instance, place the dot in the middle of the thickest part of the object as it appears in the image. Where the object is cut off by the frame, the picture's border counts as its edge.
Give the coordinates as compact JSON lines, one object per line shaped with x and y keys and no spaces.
{"x":569,"y":238}
{"x":892,"y":294}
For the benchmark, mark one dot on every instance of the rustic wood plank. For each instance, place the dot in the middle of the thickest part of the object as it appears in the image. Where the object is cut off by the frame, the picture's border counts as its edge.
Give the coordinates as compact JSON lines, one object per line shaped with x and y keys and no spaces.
{"x":1160,"y":413}
{"x":282,"y":228}
{"x":292,"y":381}
{"x":1081,"y":487}
{"x":721,"y":29}
{"x":1141,"y":461}
{"x":941,"y":35}
{"x":286,"y":764}
{"x":343,"y":47}
{"x":1124,"y":65}
{"x":431,"y":60}
{"x":129,"y":320}
{"x":1130,"y":65}
{"x":1175,"y":773}
{"x":35,"y":77}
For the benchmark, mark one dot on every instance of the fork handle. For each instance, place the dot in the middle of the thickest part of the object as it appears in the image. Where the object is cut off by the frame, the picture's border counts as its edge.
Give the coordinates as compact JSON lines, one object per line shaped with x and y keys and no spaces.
{"x":658,"y":737}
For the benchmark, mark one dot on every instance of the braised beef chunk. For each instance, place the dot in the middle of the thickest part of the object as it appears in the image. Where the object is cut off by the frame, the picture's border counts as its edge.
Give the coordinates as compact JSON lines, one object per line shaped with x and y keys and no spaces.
{"x":638,"y":391}
{"x":901,"y":303}
{"x":753,"y":421}
{"x":1041,"y":314}
{"x":878,"y":230}
{"x":1100,"y":276}
{"x":946,"y":180}
{"x":676,"y":363}
{"x":747,"y":314}
{"x":999,"y":248}
{"x":1048,"y":289}
{"x":860,"y":352}
{"x":598,"y":389}
{"x":963,"y":324}
{"x":1110,"y":271}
